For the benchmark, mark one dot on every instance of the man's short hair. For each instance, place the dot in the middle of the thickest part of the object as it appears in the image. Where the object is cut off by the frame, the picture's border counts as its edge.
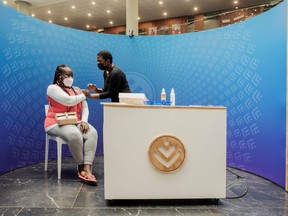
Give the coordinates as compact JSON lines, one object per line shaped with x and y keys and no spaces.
{"x":105,"y":55}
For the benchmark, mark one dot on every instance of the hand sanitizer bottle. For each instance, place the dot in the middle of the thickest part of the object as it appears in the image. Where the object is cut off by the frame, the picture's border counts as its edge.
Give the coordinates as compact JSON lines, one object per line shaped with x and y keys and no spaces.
{"x":163,"y":95}
{"x":172,"y":97}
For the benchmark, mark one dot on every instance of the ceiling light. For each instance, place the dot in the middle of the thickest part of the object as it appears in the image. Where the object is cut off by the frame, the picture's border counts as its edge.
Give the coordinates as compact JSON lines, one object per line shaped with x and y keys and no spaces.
{"x":89,"y":14}
{"x":33,"y":15}
{"x":111,"y":22}
{"x":87,"y":26}
{"x":160,"y":2}
{"x":108,"y":11}
{"x":93,"y":3}
{"x":65,"y":18}
{"x":235,"y":2}
{"x":138,"y":18}
{"x":4,"y":2}
{"x":73,"y":7}
{"x":195,"y":8}
{"x":50,"y":21}
{"x":49,"y":11}
{"x":165,"y":14}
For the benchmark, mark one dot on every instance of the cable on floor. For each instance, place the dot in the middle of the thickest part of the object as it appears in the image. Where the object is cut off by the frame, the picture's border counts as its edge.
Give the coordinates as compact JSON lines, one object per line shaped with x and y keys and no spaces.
{"x":239,"y":178}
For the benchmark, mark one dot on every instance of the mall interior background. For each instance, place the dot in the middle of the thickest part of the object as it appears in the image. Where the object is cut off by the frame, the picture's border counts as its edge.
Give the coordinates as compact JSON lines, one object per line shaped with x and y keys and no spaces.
{"x":240,"y":66}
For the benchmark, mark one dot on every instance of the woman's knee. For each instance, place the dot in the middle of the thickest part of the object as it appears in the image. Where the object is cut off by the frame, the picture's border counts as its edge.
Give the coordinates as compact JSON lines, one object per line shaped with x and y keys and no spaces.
{"x":93,"y":134}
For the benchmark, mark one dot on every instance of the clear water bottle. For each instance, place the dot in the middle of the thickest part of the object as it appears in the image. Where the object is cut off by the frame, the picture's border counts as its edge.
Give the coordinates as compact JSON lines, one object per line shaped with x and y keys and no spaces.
{"x":172,"y":97}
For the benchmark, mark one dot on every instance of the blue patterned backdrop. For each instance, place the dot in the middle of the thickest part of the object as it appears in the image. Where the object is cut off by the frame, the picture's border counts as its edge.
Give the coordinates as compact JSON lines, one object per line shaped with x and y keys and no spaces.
{"x":242,"y":67}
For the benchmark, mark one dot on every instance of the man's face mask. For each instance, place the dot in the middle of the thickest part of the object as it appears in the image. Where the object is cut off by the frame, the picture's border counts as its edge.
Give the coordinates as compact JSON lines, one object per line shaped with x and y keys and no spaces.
{"x":102,"y":65}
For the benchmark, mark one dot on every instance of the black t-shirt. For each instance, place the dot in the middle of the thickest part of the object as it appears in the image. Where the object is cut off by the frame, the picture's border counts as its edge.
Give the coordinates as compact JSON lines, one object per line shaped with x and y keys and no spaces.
{"x":114,"y":83}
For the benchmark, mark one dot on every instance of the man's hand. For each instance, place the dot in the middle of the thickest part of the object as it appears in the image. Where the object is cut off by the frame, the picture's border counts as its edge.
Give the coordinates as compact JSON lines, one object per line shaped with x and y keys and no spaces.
{"x":92,"y":87}
{"x":86,"y":92}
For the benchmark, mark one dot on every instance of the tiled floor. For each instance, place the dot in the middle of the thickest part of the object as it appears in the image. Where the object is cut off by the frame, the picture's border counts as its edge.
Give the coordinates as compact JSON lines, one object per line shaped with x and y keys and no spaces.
{"x":31,"y":191}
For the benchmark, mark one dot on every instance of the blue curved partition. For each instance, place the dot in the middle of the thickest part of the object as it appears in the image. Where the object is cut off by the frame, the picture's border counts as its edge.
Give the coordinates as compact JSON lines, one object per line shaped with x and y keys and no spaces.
{"x":242,"y":66}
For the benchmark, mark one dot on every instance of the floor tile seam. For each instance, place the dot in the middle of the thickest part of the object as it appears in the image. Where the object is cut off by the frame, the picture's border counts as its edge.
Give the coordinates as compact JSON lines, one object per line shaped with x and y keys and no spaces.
{"x":4,"y":206}
{"x":157,"y":207}
{"x":234,"y":206}
{"x":20,"y":211}
{"x":20,"y":180}
{"x":78,"y":192}
{"x":258,"y":207}
{"x":35,"y":207}
{"x":41,"y":179}
{"x":21,"y":208}
{"x":111,"y":207}
{"x":268,"y":207}
{"x":49,"y":179}
{"x":264,"y":192}
{"x":98,"y":207}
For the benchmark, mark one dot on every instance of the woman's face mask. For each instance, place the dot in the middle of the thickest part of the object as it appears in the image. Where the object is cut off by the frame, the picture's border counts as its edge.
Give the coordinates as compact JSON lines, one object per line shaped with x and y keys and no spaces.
{"x":68,"y":81}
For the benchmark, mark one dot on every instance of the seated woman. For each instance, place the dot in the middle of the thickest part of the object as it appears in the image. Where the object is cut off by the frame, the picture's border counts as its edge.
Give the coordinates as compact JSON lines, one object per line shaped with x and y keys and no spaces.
{"x":81,"y":137}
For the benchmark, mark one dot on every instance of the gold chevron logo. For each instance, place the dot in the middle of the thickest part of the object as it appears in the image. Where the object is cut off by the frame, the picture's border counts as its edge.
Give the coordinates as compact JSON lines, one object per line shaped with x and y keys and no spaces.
{"x":166,"y":153}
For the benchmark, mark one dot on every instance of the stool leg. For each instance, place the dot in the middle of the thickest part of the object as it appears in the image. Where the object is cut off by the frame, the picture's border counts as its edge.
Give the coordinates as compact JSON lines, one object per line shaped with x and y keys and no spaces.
{"x":46,"y":153}
{"x":59,"y":158}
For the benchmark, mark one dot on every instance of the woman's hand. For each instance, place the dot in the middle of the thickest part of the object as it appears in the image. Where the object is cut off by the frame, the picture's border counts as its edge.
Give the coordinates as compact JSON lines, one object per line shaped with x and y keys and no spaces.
{"x":84,"y":127}
{"x":92,"y":87}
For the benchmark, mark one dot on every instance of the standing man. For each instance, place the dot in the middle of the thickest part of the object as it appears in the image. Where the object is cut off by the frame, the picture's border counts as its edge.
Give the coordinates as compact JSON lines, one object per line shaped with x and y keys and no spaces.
{"x":114,"y":79}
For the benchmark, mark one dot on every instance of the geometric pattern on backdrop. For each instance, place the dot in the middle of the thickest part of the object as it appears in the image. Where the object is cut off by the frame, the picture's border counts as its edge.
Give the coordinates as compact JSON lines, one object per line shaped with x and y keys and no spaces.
{"x":227,"y":66}
{"x":141,"y":84}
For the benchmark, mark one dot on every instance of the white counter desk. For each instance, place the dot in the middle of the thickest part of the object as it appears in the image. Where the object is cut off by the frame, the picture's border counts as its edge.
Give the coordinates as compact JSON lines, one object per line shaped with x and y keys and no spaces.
{"x":164,"y":152}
